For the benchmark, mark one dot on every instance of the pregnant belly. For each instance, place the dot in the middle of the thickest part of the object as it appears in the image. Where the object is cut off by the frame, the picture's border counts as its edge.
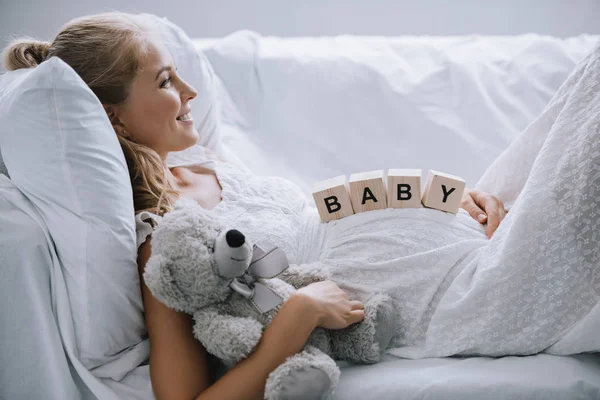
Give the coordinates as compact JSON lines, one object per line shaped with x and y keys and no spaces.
{"x":380,"y":235}
{"x":407,"y":253}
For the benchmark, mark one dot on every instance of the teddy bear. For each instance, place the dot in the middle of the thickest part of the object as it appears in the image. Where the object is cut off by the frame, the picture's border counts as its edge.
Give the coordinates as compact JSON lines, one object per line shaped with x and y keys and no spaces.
{"x":233,"y":288}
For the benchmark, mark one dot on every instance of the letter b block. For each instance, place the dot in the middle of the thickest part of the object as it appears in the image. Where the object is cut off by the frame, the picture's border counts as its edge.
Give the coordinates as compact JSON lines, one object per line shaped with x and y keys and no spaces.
{"x":404,"y":188}
{"x":367,"y":191}
{"x":332,"y":198}
{"x":443,"y":191}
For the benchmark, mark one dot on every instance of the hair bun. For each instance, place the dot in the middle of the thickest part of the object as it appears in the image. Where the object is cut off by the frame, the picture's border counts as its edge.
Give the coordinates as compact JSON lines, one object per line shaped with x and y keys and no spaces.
{"x":25,"y":53}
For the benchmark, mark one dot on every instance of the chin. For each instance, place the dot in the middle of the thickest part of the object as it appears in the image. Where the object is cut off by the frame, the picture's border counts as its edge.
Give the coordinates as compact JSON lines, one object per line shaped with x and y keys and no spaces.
{"x":188,"y":140}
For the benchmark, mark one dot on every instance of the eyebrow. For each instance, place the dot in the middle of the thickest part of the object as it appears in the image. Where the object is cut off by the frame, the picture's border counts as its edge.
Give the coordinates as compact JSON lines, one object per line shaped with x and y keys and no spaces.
{"x":165,"y":68}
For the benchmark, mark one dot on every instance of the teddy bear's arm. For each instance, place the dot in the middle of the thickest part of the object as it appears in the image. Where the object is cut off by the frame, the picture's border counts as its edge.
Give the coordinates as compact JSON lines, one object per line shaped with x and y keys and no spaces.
{"x":304,"y":274}
{"x":227,"y":337}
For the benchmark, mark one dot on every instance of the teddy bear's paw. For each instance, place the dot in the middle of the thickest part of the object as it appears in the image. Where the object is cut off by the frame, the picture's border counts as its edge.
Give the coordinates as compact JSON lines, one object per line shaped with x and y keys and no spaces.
{"x":308,"y":375}
{"x":366,"y":341}
{"x":303,"y":275}
{"x":229,"y":338}
{"x":304,"y":383}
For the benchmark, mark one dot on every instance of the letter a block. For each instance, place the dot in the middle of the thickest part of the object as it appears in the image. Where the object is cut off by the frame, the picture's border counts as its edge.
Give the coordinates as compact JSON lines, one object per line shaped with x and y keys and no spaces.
{"x":332,"y":198}
{"x":367,"y":191}
{"x":443,"y":191}
{"x":404,"y":188}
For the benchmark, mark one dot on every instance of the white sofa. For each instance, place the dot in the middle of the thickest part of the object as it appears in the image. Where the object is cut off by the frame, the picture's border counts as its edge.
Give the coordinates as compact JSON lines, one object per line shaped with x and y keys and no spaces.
{"x":313,"y":108}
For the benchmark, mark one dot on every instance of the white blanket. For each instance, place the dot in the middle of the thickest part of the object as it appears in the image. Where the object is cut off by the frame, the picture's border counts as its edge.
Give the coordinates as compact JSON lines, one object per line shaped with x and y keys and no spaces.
{"x":535,"y":286}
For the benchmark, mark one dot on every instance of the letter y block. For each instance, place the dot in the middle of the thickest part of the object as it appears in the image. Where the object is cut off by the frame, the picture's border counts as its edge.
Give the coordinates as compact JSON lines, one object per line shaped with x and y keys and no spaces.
{"x":443,"y":191}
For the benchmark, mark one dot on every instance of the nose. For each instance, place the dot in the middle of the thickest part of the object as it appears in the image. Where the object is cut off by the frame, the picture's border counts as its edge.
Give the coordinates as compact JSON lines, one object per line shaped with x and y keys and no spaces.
{"x":235,"y":238}
{"x":187,"y":92}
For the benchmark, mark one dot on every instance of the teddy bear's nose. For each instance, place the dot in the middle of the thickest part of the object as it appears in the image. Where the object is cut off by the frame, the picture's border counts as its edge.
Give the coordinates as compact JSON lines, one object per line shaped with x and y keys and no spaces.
{"x":235,"y":238}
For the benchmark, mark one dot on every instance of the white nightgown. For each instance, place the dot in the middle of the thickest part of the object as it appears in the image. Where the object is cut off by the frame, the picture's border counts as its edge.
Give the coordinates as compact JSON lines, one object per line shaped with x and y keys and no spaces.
{"x":408,"y":253}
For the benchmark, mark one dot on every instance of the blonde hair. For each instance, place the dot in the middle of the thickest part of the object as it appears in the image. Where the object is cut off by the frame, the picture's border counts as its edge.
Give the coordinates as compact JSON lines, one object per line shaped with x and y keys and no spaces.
{"x":104,"y":49}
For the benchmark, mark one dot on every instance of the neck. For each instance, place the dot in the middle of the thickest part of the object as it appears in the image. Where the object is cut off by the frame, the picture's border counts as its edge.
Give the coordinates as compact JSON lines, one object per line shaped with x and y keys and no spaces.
{"x":178,"y":178}
{"x":163,"y":156}
{"x":174,"y":179}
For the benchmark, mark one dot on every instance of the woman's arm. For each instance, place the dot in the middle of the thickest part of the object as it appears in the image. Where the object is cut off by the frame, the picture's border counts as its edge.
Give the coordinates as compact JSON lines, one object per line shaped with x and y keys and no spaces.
{"x":284,"y":337}
{"x":178,"y":362}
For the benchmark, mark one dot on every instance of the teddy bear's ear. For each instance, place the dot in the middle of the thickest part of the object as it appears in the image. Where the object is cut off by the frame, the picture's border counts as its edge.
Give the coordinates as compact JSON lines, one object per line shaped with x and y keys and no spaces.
{"x":159,"y":280}
{"x":181,"y":271}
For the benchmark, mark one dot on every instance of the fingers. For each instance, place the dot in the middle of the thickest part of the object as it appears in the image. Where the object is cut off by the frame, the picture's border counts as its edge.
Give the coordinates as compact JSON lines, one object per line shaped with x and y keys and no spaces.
{"x":491,"y":205}
{"x":468,"y":203}
{"x":496,"y":212}
{"x":493,"y":222}
{"x":356,"y":305}
{"x":356,"y":316}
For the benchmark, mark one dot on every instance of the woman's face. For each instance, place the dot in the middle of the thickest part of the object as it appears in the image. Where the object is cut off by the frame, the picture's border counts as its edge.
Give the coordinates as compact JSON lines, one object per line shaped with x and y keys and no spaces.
{"x":157,"y":110}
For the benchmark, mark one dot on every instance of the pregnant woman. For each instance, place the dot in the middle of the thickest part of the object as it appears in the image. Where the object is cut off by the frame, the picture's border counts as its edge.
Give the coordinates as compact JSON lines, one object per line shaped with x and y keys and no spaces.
{"x":532,"y":286}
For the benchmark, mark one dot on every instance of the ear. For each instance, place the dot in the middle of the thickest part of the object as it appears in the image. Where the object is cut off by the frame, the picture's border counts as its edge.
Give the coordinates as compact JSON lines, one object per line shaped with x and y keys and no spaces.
{"x":113,"y":115}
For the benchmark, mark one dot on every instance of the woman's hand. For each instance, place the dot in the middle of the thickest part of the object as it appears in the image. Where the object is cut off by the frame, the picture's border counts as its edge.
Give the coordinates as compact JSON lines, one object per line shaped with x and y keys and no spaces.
{"x":484,"y":207}
{"x":332,"y":305}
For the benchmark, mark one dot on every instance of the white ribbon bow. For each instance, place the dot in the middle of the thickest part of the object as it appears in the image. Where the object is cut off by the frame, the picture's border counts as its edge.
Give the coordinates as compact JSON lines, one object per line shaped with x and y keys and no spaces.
{"x":267,"y":262}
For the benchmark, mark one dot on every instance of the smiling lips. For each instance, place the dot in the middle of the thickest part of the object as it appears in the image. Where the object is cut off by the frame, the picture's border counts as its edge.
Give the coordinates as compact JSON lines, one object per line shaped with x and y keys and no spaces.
{"x":185,"y":117}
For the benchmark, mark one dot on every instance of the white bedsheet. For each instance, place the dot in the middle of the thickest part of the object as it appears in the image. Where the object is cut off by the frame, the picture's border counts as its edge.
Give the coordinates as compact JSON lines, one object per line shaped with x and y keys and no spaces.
{"x":539,"y":377}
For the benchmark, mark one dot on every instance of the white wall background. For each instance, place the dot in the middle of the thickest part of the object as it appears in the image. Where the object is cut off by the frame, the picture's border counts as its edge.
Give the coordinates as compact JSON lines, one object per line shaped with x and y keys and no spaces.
{"x":205,"y":18}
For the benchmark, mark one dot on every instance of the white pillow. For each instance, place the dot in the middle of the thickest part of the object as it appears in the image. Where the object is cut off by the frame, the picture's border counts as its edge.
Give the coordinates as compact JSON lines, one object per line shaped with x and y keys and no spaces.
{"x":63,"y":154}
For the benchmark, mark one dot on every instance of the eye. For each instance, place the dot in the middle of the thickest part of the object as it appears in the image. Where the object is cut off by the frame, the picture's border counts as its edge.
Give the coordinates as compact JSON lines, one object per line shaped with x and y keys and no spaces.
{"x":165,"y":82}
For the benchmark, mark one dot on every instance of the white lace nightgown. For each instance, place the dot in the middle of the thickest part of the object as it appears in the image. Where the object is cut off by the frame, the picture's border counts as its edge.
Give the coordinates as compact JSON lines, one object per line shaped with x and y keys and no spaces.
{"x":407,"y":253}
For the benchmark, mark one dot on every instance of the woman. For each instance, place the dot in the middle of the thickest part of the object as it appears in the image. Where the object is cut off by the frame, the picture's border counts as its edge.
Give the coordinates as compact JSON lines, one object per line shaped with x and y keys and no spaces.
{"x":148,"y":104}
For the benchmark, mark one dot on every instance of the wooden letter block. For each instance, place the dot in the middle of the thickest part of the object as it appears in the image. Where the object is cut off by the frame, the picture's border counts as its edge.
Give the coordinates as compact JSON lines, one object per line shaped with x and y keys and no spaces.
{"x":404,"y":188}
{"x":367,"y":191}
{"x":443,"y":191}
{"x":332,"y":198}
